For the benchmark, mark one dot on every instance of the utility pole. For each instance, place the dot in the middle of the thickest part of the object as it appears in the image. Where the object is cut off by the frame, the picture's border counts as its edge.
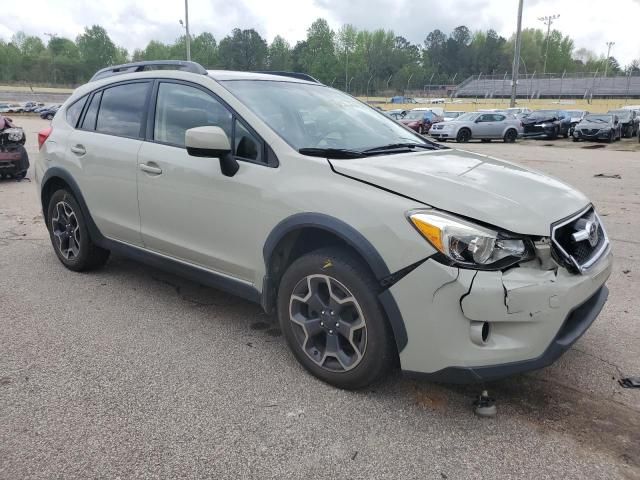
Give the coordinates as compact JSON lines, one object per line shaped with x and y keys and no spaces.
{"x":548,"y":21}
{"x":516,"y":58}
{"x":606,"y":65}
{"x":186,"y":26}
{"x":53,"y":56}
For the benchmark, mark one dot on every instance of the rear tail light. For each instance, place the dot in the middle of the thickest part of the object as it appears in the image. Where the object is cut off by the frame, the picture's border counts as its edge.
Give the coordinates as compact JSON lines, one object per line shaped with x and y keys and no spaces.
{"x":43,"y":135}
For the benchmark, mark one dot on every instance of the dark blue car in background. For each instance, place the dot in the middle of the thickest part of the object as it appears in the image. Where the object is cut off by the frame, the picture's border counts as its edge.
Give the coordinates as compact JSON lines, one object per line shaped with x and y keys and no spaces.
{"x":547,"y":123}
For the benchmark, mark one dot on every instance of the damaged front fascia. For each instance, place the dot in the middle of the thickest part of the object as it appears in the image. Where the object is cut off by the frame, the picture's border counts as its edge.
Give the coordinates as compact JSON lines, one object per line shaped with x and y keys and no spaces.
{"x":518,"y":294}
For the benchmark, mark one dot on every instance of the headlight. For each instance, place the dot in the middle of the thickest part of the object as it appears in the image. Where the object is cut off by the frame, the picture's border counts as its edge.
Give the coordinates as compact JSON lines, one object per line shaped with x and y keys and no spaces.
{"x":468,"y":245}
{"x":14,"y":134}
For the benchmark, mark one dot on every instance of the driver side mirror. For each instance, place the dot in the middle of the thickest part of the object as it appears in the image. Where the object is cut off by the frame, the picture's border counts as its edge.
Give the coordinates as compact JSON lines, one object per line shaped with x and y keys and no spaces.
{"x":212,"y":142}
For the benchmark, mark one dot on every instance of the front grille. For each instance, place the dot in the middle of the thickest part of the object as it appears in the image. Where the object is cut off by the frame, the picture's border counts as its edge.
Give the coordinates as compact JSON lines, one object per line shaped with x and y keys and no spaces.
{"x":533,"y":129}
{"x":579,"y":241}
{"x":589,"y":131}
{"x":438,"y":127}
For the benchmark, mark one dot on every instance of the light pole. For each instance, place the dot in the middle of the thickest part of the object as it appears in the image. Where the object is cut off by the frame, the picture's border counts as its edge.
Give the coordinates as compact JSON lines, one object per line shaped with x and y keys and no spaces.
{"x":53,"y":56}
{"x":548,"y":21}
{"x":408,"y":81}
{"x":606,"y":65}
{"x":186,"y":26}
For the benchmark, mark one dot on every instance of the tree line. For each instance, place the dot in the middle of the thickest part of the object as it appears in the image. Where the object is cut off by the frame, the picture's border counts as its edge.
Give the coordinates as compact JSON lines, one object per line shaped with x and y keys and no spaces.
{"x":360,"y":61}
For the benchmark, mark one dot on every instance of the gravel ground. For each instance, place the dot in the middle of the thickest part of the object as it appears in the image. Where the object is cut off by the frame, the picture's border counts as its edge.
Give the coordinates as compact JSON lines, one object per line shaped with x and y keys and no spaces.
{"x":132,"y":373}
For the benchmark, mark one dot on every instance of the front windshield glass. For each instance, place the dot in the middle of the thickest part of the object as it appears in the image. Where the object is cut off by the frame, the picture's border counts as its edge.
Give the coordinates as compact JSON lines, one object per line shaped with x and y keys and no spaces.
{"x":314,"y":116}
{"x":575,"y":113}
{"x":468,"y":117}
{"x":544,"y":114}
{"x":417,"y":114}
{"x":622,"y":114}
{"x":598,"y":118}
{"x":451,"y":114}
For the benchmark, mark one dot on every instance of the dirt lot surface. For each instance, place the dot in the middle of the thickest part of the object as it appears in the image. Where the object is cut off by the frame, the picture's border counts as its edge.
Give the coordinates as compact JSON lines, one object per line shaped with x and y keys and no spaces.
{"x":132,"y":373}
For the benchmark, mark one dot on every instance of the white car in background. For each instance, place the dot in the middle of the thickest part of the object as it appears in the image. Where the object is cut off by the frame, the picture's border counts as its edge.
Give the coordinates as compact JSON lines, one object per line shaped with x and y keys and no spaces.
{"x":485,"y":126}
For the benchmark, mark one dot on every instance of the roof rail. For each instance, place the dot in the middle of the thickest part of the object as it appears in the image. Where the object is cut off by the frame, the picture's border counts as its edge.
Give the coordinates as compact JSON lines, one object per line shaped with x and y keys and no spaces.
{"x":298,"y":75}
{"x":192,"y":67}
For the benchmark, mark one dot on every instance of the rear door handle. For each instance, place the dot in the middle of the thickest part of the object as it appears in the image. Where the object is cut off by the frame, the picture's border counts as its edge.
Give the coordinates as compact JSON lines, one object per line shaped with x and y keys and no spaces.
{"x":78,"y":150}
{"x":155,"y":170}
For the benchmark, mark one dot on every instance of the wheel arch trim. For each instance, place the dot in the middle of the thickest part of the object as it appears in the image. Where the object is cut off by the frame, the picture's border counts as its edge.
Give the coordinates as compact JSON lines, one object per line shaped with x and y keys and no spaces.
{"x":60,"y":173}
{"x":354,"y":239}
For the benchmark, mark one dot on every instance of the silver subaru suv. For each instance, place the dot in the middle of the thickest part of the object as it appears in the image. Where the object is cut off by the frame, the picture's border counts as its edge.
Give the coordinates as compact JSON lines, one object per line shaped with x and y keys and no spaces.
{"x":373,"y":246}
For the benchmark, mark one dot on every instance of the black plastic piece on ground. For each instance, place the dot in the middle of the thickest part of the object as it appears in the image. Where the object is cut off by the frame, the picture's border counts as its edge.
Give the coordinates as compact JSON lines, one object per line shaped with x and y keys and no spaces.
{"x":630,"y":382}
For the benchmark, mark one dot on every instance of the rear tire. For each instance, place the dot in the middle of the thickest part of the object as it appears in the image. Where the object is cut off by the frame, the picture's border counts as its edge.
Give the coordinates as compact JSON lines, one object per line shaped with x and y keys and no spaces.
{"x":330,"y":287}
{"x":70,"y":236}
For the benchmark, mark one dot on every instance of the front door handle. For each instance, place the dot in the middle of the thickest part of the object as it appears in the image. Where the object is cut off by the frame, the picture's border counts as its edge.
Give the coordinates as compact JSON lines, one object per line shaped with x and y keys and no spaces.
{"x":78,"y":149}
{"x":155,"y":170}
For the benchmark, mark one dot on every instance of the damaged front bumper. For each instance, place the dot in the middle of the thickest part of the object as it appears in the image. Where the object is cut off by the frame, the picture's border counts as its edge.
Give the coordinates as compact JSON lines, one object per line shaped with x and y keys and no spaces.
{"x":466,"y":326}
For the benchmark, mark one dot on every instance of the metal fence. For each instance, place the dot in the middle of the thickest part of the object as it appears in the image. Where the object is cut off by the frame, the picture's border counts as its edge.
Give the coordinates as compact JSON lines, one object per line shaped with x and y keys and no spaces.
{"x":551,"y":85}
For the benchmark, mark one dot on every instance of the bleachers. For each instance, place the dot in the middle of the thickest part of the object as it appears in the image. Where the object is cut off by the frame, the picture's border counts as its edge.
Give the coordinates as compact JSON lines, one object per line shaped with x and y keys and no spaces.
{"x":551,"y":86}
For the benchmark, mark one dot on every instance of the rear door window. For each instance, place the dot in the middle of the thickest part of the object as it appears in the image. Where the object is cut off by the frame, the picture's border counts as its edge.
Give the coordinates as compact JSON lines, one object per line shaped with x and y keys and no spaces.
{"x":74,"y":111}
{"x":122,"y":110}
{"x":89,"y":121}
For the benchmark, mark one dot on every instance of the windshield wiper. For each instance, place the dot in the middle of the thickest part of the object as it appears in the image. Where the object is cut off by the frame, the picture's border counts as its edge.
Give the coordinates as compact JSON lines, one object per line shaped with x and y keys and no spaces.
{"x":331,"y":152}
{"x":401,"y":146}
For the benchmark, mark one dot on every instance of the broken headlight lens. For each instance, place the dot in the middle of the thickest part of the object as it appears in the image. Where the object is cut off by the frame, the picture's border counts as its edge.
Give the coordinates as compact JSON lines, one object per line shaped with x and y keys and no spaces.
{"x":14,"y":134}
{"x":469,"y":245}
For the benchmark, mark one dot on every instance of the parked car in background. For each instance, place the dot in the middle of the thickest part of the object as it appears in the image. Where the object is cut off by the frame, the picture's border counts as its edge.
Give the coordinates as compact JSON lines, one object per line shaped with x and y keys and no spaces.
{"x":576,"y":116}
{"x":14,"y":160}
{"x":401,"y":99}
{"x":518,"y":111}
{"x":598,"y":127}
{"x":396,"y":114}
{"x":629,"y":121}
{"x":451,"y":115}
{"x":547,"y":123}
{"x":15,"y":108}
{"x":49,"y":113}
{"x":478,"y":125}
{"x":420,"y":119}
{"x":31,"y":106}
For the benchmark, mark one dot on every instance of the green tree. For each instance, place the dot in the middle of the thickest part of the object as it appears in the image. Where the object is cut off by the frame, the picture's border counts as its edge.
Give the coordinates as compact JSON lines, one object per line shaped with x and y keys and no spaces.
{"x":243,"y":50}
{"x":96,"y":49}
{"x":317,"y":56}
{"x":280,"y":54}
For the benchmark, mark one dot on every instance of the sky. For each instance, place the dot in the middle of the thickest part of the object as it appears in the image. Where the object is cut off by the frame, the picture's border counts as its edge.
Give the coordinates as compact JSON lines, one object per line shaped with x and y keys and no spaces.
{"x":132,"y":23}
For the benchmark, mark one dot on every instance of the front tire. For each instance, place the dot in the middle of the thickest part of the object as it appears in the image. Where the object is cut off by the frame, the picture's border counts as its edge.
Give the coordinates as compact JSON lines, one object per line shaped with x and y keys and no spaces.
{"x":510,"y":136}
{"x":70,"y":236}
{"x":331,"y":318}
{"x":464,"y":135}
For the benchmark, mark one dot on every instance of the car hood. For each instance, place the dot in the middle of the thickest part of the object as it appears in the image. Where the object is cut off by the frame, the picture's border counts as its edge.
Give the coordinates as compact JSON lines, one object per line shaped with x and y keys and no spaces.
{"x":529,"y":120}
{"x":598,"y":125}
{"x":476,"y":186}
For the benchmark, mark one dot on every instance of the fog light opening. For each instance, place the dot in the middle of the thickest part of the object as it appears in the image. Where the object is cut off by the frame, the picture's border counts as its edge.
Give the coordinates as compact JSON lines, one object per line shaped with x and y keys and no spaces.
{"x":485,"y":332}
{"x":479,"y":332}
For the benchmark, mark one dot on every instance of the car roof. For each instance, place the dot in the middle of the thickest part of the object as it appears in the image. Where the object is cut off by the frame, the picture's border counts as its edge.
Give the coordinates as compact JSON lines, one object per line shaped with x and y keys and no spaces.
{"x":222,"y":75}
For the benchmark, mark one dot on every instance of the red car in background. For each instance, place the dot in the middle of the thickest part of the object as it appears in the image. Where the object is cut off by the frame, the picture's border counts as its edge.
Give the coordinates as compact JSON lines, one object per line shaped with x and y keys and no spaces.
{"x":420,"y":120}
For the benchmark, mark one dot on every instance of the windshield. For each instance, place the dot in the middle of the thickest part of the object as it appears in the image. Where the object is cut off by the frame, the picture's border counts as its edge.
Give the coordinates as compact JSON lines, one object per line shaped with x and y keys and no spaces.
{"x":451,"y":114}
{"x":575,"y":113}
{"x":314,"y":116}
{"x":417,"y":114}
{"x":468,"y":117}
{"x":543,"y":114}
{"x":598,"y":118}
{"x":622,"y":114}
